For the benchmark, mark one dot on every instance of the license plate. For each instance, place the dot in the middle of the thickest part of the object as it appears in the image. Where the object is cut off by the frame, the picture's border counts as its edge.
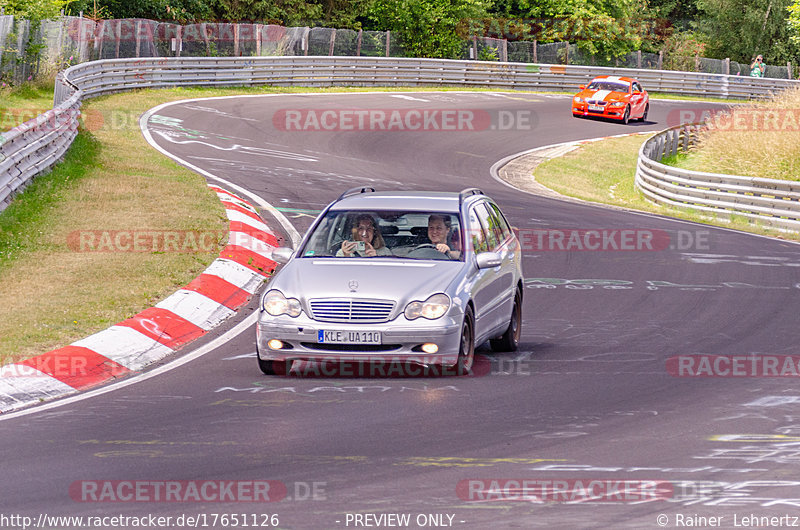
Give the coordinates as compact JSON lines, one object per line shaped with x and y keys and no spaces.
{"x":348,"y":337}
{"x":595,"y":108}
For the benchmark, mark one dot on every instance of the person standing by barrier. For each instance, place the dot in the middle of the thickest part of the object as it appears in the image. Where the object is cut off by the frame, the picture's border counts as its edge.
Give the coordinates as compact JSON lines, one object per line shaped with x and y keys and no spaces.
{"x":757,"y":68}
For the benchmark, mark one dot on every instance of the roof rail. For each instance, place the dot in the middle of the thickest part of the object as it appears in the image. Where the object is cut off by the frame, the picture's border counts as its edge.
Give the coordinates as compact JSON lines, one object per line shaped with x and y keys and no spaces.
{"x":466,"y":193}
{"x":354,"y":191}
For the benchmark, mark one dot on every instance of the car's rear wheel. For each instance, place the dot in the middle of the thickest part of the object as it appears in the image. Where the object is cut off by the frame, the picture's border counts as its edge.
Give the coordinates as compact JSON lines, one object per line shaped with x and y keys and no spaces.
{"x":466,"y":352}
{"x":273,"y":367}
{"x":626,"y":117}
{"x":509,"y":341}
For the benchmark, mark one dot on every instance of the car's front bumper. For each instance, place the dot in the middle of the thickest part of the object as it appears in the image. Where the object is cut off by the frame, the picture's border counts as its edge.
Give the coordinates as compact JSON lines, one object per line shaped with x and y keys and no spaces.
{"x":401,"y":341}
{"x":614,"y":113}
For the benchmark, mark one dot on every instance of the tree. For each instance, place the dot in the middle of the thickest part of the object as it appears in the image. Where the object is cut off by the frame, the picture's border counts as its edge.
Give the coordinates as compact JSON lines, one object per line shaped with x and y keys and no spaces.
{"x":428,"y":28}
{"x":286,"y":12}
{"x":793,"y":22}
{"x":741,"y":29}
{"x":34,"y":10}
{"x":174,"y":10}
{"x":603,"y":28}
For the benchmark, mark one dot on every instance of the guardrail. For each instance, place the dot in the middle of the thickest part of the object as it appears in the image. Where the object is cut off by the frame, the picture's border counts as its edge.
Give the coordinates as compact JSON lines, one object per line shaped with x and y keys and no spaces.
{"x":35,"y":146}
{"x":772,"y":202}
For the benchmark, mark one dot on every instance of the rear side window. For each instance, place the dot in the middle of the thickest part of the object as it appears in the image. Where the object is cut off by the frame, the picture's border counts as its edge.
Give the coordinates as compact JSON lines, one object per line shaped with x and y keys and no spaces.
{"x":505,"y":230}
{"x":476,"y":233}
{"x":489,"y":226}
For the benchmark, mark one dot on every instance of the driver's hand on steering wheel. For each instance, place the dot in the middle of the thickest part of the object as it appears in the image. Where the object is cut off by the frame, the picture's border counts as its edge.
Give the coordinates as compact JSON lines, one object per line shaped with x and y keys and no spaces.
{"x":441,"y":247}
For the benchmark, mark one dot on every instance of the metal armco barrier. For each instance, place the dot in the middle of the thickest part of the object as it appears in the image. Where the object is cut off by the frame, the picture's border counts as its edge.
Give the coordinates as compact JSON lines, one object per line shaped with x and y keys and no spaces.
{"x":35,"y":146}
{"x":771,"y":202}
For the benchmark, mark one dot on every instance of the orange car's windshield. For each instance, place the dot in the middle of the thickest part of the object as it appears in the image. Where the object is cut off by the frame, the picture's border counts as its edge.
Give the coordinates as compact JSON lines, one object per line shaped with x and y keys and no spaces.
{"x":606,"y":85}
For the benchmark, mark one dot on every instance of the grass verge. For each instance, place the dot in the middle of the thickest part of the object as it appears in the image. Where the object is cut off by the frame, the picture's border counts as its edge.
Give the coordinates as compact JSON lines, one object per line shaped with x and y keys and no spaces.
{"x":54,"y":293}
{"x":760,"y":139}
{"x":23,"y":103}
{"x":603,"y":172}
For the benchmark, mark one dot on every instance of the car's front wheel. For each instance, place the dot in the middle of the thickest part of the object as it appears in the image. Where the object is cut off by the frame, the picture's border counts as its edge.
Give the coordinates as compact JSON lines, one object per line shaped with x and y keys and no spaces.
{"x":466,"y":351}
{"x":509,"y":341}
{"x":626,"y":117}
{"x":273,"y":367}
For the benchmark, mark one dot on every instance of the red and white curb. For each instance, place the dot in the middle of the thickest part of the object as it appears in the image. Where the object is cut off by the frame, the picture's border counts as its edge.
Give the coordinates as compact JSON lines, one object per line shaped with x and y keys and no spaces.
{"x":131,"y":345}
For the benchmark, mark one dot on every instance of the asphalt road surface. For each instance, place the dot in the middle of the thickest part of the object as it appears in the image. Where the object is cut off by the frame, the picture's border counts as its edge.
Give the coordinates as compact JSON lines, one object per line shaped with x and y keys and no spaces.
{"x":591,"y":411}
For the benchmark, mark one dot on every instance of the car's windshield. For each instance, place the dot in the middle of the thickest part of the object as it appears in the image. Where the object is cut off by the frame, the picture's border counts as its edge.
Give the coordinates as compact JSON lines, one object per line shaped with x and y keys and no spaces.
{"x":386,"y":233}
{"x":608,"y":85}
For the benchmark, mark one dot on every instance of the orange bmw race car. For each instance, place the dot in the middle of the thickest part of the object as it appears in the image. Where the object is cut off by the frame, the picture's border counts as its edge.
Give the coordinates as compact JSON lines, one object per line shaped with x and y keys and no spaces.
{"x":607,"y":96}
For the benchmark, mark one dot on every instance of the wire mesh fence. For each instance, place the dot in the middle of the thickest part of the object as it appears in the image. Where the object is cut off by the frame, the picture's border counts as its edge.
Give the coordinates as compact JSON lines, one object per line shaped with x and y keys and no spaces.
{"x":26,"y":51}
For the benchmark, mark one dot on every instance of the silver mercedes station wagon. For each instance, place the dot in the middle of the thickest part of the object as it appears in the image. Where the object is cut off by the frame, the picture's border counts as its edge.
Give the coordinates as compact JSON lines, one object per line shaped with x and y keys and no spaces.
{"x":408,"y":277}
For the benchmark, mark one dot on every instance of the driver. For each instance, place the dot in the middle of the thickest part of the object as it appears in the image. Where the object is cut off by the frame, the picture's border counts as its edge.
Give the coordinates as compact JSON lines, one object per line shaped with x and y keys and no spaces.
{"x":439,"y":227}
{"x":367,"y":233}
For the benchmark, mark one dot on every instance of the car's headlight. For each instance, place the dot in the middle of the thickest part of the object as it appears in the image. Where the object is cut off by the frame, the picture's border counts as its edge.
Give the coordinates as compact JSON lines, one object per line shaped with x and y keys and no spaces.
{"x":618,"y":104}
{"x":434,"y":307}
{"x":578,"y":100}
{"x":276,"y":304}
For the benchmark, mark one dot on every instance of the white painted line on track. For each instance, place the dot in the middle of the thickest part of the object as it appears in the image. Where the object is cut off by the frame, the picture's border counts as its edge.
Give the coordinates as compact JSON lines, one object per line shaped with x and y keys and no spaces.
{"x":285,"y":223}
{"x":410,"y":98}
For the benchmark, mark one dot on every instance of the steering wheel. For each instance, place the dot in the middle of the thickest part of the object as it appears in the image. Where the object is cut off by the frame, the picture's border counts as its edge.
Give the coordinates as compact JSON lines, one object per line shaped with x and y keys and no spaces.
{"x":426,"y":245}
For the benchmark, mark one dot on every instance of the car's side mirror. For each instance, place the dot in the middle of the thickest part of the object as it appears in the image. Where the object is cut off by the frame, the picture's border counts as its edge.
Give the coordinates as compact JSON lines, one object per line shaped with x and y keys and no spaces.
{"x":488,"y":260}
{"x":282,"y":255}
{"x":582,"y":87}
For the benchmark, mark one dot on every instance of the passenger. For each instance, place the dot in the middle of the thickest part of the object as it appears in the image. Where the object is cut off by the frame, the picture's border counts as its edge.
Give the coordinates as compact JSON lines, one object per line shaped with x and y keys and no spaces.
{"x":439,"y":227}
{"x":364,"y":231}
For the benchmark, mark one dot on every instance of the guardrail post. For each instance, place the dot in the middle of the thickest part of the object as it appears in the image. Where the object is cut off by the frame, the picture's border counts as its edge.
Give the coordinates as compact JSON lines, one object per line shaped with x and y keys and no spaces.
{"x":504,"y":51}
{"x":333,"y":40}
{"x":474,"y":48}
{"x":179,"y":42}
{"x":388,"y":40}
{"x":566,"y":55}
{"x":236,"y":40}
{"x":697,"y":62}
{"x":259,"y":27}
{"x":535,"y":46}
{"x":639,"y":59}
{"x":358,"y":44}
{"x":727,"y":66}
{"x":660,"y":59}
{"x":789,"y":68}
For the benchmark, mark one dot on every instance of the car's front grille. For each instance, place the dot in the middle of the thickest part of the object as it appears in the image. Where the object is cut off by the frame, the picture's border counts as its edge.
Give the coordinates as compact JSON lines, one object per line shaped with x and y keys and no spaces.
{"x":596,"y":102}
{"x":351,"y":311}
